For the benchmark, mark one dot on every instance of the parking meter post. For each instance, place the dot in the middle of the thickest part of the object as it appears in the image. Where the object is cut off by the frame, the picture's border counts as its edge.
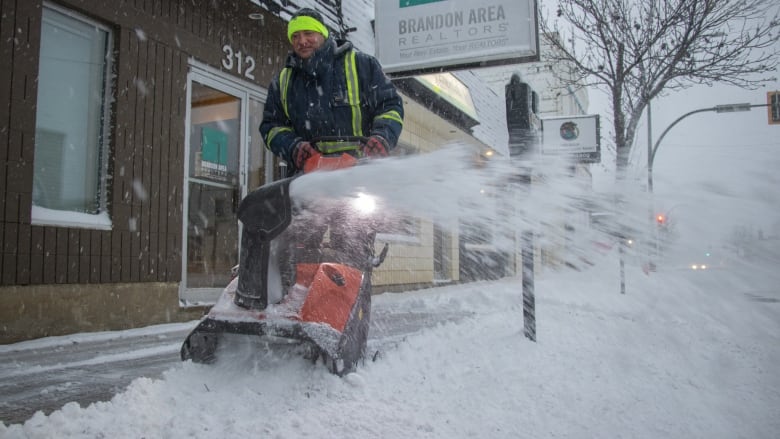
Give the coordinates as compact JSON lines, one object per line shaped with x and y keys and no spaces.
{"x":522,"y":104}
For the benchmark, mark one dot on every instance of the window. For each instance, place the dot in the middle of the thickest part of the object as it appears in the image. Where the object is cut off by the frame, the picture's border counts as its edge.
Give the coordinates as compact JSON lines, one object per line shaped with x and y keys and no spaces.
{"x":71,"y":141}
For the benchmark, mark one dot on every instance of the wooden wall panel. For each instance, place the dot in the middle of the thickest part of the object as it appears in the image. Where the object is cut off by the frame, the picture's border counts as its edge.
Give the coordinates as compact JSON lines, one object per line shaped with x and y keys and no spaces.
{"x":106,"y":257}
{"x":19,"y":173}
{"x":174,"y":168}
{"x":126,"y":258}
{"x":49,"y":255}
{"x":7,"y":30}
{"x":142,"y":182}
{"x":94,"y":262}
{"x":138,"y":146}
{"x":37,"y":243}
{"x":25,"y":199}
{"x":116,"y":257}
{"x":73,"y":245}
{"x":124,"y":138}
{"x":10,"y":241}
{"x":61,"y":256}
{"x":8,"y":273}
{"x":9,"y":254}
{"x":24,"y":245}
{"x":161,"y":219}
{"x":153,"y":41}
{"x":7,"y":16}
{"x":156,"y":158}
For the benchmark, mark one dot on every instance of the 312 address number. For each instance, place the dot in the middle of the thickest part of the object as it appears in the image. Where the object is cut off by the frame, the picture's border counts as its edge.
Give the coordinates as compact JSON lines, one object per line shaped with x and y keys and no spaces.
{"x":244,"y":65}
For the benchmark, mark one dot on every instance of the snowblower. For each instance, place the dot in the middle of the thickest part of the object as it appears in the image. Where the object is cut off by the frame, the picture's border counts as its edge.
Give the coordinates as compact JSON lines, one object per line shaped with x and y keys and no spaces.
{"x":291,"y":290}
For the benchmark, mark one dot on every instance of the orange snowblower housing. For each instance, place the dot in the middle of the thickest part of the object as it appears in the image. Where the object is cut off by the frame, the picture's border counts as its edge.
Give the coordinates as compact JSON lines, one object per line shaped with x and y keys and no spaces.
{"x":320,"y":162}
{"x":333,"y":288}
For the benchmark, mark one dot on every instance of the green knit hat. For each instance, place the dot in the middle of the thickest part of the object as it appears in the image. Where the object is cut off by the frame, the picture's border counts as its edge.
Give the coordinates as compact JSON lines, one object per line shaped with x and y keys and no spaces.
{"x":306,"y":19}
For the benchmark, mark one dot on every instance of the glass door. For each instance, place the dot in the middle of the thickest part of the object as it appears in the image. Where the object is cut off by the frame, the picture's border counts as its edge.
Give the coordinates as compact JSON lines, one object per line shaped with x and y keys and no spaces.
{"x":213,"y":190}
{"x":225,"y":158}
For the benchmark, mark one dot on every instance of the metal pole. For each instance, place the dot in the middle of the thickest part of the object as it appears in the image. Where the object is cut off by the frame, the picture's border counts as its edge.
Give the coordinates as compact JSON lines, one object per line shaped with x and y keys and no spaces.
{"x":621,"y":252}
{"x":649,"y":149}
{"x":652,"y":152}
{"x":650,"y":246}
{"x":529,"y":301}
{"x":726,"y":108}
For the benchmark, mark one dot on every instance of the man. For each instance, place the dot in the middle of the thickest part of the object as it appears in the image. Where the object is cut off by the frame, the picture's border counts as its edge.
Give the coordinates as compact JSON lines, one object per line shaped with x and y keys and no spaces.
{"x":328,"y":89}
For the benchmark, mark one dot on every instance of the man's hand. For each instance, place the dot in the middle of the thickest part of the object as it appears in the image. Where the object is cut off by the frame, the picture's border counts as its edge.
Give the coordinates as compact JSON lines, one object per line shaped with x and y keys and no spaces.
{"x":302,"y":152}
{"x":375,"y":147}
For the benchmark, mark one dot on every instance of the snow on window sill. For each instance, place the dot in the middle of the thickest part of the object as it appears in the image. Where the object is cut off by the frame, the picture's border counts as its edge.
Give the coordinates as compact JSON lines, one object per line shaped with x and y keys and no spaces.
{"x":42,"y":216}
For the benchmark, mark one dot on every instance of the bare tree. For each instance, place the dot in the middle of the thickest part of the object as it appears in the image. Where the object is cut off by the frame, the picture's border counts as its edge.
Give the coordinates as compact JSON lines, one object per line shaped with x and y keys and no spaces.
{"x":639,"y":49}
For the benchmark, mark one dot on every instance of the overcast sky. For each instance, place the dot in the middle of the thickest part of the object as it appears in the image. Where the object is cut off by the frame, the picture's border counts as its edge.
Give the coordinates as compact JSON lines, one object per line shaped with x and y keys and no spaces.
{"x":712,"y":171}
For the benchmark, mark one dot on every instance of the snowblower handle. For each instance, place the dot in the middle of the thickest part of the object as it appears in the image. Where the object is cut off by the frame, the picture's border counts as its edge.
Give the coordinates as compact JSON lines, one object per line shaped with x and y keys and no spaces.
{"x":324,"y":161}
{"x":346,"y":140}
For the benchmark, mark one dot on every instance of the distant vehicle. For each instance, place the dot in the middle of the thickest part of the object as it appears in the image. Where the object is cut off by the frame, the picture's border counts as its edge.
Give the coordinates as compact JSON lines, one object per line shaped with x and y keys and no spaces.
{"x":696,"y":260}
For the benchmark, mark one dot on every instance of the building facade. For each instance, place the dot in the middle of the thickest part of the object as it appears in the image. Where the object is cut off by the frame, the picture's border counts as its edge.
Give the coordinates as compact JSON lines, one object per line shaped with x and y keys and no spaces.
{"x":128,"y":135}
{"x":127,"y":140}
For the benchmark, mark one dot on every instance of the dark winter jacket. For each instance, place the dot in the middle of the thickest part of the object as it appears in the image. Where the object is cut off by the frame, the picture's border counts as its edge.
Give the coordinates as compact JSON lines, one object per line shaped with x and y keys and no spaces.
{"x":318,"y":101}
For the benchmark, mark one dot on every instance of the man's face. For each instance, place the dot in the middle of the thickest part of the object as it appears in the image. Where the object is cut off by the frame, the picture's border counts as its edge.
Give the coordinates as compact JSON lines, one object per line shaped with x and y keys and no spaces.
{"x":306,"y":42}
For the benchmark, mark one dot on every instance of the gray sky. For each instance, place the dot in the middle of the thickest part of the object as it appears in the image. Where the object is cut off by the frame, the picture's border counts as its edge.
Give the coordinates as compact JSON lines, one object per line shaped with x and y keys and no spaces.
{"x":713,"y":171}
{"x":722,"y":168}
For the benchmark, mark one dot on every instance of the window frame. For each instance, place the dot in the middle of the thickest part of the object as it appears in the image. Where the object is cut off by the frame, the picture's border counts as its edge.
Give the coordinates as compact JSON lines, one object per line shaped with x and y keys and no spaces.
{"x":101,"y":220}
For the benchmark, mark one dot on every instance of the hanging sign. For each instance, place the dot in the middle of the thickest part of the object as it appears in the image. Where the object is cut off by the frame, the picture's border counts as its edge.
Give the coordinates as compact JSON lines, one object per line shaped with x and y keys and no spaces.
{"x":414,"y":36}
{"x":577,"y":137}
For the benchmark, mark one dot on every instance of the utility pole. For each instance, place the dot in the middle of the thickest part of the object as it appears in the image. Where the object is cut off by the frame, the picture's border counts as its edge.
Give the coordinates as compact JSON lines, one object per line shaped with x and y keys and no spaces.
{"x":725,"y":108}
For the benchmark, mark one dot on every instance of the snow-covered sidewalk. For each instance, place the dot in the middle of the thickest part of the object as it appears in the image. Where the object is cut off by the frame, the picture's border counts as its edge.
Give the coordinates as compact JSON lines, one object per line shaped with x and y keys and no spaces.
{"x":673,"y":358}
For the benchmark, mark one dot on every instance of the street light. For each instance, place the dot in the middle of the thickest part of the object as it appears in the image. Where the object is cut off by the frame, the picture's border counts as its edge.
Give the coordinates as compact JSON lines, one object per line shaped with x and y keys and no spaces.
{"x":725,"y":108}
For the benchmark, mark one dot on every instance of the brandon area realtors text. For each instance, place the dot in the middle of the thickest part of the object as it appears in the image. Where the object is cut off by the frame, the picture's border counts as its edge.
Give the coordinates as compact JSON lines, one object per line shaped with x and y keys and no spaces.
{"x":452,"y":25}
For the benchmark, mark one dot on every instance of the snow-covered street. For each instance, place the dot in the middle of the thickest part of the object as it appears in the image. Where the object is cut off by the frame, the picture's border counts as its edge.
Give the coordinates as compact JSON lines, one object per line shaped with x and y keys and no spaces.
{"x":45,"y":374}
{"x":683,"y":354}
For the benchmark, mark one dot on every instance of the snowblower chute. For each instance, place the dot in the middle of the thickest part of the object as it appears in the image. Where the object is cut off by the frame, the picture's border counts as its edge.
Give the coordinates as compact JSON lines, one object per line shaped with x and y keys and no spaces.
{"x":291,"y":289}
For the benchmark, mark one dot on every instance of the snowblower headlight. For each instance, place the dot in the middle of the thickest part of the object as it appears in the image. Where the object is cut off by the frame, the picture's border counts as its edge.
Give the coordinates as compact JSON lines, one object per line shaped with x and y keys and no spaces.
{"x":364,"y":204}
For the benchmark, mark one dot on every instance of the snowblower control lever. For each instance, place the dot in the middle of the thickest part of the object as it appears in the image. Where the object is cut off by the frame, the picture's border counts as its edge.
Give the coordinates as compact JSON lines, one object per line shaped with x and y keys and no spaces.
{"x":377,"y":261}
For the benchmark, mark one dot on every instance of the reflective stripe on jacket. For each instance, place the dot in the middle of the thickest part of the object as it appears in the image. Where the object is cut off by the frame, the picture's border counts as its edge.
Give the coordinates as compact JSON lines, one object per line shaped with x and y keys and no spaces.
{"x":338,"y":91}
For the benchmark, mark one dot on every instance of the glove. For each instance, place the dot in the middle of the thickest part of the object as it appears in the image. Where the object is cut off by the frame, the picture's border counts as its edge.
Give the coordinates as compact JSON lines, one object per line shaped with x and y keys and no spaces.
{"x":302,"y":152}
{"x":375,"y":147}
